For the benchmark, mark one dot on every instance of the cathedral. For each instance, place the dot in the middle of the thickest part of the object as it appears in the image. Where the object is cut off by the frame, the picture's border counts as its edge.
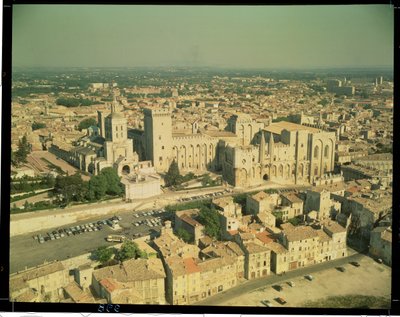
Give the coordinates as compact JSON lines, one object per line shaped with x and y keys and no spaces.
{"x":108,"y":145}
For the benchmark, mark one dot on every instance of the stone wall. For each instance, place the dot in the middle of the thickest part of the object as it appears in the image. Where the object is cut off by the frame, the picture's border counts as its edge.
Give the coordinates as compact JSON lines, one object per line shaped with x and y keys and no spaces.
{"x":41,"y":220}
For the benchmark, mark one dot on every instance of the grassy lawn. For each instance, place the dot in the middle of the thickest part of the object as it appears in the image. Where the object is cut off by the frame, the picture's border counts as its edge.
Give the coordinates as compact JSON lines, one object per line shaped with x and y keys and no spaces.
{"x":350,"y":301}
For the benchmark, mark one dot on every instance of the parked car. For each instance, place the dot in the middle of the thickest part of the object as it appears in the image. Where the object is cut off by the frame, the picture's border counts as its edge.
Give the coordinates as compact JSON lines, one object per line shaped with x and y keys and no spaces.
{"x":280,"y":300}
{"x":380,"y":261}
{"x":277,"y":287}
{"x":266,"y":302}
{"x":41,"y":240}
{"x":291,"y":284}
{"x":309,"y":277}
{"x":341,"y":269}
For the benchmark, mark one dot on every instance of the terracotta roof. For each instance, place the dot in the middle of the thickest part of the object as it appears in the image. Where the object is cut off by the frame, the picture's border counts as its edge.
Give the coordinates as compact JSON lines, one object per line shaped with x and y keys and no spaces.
{"x":190,"y":265}
{"x":246,"y":236}
{"x":265,"y":237}
{"x":252,"y":247}
{"x":27,"y":296}
{"x":235,"y":248}
{"x":109,"y":284}
{"x":323,"y":236}
{"x":216,"y":263}
{"x":300,"y":233}
{"x":77,"y":294}
{"x":277,"y":247}
{"x":40,"y":271}
{"x":190,"y":221}
{"x":292,"y":197}
{"x":132,"y":270}
{"x":223,"y":201}
{"x":334,"y":227}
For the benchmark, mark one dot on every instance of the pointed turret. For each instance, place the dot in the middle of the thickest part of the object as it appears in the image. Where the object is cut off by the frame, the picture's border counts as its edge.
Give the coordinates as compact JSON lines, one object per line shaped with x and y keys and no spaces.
{"x":271,"y":146}
{"x":262,"y":147}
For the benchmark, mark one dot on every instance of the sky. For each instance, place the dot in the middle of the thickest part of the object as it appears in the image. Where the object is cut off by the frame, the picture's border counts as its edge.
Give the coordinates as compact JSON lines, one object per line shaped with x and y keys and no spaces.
{"x":265,"y":37}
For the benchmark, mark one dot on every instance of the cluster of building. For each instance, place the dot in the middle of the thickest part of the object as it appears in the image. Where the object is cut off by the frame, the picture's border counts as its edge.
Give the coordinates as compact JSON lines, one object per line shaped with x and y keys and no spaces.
{"x":330,"y":148}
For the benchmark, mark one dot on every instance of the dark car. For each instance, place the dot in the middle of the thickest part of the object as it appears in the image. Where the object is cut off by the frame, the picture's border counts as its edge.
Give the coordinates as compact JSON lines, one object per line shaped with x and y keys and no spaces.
{"x":341,"y":269}
{"x":277,"y":287}
{"x":356,"y":264}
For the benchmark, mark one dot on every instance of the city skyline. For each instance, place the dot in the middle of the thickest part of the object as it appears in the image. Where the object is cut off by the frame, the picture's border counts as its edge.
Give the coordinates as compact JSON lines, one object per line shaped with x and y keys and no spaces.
{"x":207,"y":36}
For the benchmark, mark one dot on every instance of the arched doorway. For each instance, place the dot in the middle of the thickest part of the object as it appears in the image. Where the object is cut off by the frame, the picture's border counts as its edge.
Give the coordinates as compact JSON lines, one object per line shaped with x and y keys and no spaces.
{"x":126,"y":170}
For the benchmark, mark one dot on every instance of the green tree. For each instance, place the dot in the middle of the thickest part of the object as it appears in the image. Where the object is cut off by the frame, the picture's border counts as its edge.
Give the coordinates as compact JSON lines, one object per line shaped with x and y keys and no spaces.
{"x":13,"y":158}
{"x":86,"y":123}
{"x":173,"y":177}
{"x":324,"y":102}
{"x":70,"y":188}
{"x":184,"y":235}
{"x":97,"y":187}
{"x":114,"y":186}
{"x":23,"y":150}
{"x":103,"y":254}
{"x":206,"y":180}
{"x":129,"y":250}
{"x":38,"y":125}
{"x":209,"y":217}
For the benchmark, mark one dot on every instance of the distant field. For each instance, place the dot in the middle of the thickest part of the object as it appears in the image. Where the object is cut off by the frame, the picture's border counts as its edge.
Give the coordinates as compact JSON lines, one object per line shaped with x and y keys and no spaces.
{"x":350,"y":301}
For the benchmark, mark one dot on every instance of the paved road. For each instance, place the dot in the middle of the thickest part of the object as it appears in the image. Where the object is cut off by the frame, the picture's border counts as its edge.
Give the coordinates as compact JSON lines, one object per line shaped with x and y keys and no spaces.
{"x":249,"y":286}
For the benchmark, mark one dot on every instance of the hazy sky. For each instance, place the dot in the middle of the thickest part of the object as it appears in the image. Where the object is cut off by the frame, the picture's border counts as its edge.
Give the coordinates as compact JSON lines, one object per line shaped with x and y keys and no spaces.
{"x":235,"y":36}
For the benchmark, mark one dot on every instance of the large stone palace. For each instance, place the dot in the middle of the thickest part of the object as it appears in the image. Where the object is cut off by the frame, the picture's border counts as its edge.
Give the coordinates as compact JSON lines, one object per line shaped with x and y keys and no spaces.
{"x":247,"y":152}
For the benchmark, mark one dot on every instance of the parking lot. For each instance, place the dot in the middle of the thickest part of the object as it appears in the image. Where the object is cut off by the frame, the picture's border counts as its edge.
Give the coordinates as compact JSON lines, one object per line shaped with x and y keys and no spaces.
{"x":369,"y":279}
{"x":79,"y":238}
{"x":205,"y":196}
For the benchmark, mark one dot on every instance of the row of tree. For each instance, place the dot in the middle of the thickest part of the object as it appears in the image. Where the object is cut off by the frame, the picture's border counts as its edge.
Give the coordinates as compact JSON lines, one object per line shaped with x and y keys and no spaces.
{"x":29,"y":184}
{"x":74,"y":102}
{"x":72,"y":188}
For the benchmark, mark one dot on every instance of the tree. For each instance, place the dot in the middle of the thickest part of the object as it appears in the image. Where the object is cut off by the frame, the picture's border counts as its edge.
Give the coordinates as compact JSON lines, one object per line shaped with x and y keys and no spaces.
{"x":86,"y":123}
{"x":184,"y":235}
{"x":23,"y":150}
{"x":13,"y":158}
{"x":129,"y":250}
{"x":70,"y":188}
{"x":324,"y":102}
{"x":38,"y":125}
{"x":103,"y":254}
{"x":114,"y":186}
{"x":97,"y":187}
{"x":209,"y":217}
{"x":173,"y":177}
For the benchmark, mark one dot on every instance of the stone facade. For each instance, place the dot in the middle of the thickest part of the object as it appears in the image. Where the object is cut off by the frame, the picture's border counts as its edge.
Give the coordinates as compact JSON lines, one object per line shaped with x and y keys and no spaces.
{"x":35,"y":284}
{"x":138,"y":281}
{"x":294,"y":154}
{"x":381,"y":244}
